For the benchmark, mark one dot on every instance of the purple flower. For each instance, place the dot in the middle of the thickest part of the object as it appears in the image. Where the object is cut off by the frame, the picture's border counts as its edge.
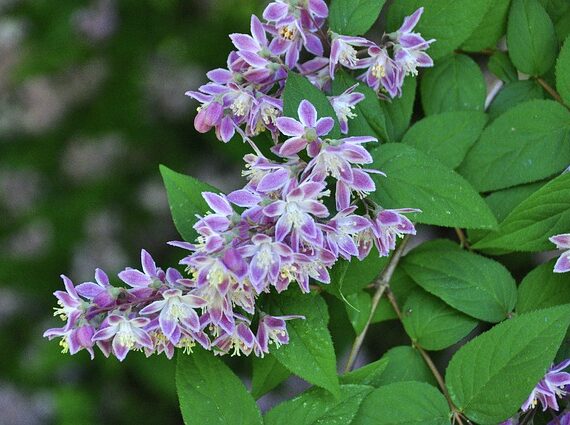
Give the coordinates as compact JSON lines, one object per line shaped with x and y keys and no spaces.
{"x":295,"y":213}
{"x":382,"y":72}
{"x":562,"y":242}
{"x":264,"y":115}
{"x":409,"y":46}
{"x":176,"y":311}
{"x":343,"y":52}
{"x":340,"y":232}
{"x":549,"y":388}
{"x":241,"y":340}
{"x":344,"y":105}
{"x":127,"y":334}
{"x":308,"y":129}
{"x":272,"y":329}
{"x":101,"y":293}
{"x":151,"y":276}
{"x":564,"y":419}
{"x":71,"y":304}
{"x":390,"y":224}
{"x":73,"y":338}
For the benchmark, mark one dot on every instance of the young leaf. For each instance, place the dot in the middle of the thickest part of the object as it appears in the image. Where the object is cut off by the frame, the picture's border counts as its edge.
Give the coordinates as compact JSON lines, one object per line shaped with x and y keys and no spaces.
{"x":542,"y":288}
{"x":500,"y":64}
{"x":354,"y":17}
{"x":370,"y":117}
{"x":398,"y":111}
{"x":527,"y":143}
{"x":310,"y":352}
{"x":450,"y":22}
{"x":370,"y":374}
{"x":531,"y":37}
{"x":416,"y":180}
{"x":490,"y":377}
{"x":433,"y":324}
{"x":405,"y":363}
{"x":185,"y":200}
{"x":563,"y":72}
{"x":297,"y":89}
{"x":512,"y":94}
{"x":267,"y":374}
{"x":455,"y":84}
{"x":446,"y":136}
{"x":317,"y":406}
{"x":475,"y":285}
{"x":491,"y":29}
{"x":209,"y":392}
{"x":527,"y":228}
{"x":404,"y":403}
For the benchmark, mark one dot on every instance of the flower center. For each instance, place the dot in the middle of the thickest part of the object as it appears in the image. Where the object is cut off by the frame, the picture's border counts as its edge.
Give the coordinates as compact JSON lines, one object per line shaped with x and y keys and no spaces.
{"x":378,"y":71}
{"x":287,"y":32}
{"x":348,"y":55}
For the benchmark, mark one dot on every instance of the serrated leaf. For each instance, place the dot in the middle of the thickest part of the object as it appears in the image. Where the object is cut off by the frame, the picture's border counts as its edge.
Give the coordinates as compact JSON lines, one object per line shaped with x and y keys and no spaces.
{"x":209,"y":392}
{"x":563,"y":72}
{"x":405,"y":363}
{"x":398,"y":111}
{"x":491,"y":29}
{"x":455,"y":84}
{"x":450,"y":22}
{"x":475,"y":285}
{"x":370,"y":118}
{"x":433,"y":324}
{"x":513,"y":94}
{"x":542,"y":288}
{"x":267,"y":374}
{"x":446,"y":136}
{"x":354,"y":17}
{"x":317,"y":406}
{"x":310,"y":352}
{"x":531,"y":37}
{"x":527,"y":143}
{"x":490,"y":377}
{"x":500,"y":64}
{"x":404,"y":403}
{"x":299,"y":88}
{"x":559,"y":12}
{"x":527,"y":228}
{"x":185,"y":200}
{"x":370,"y":374}
{"x":418,"y":181}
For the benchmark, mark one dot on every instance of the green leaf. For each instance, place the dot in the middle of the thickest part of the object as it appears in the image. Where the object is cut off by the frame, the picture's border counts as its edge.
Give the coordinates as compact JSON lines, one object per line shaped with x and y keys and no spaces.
{"x":310,"y":352}
{"x":500,"y":64}
{"x":404,"y":403}
{"x":354,"y":17}
{"x":491,"y":29}
{"x":475,"y":285}
{"x":358,"y":308}
{"x":370,"y":117}
{"x":542,"y":288}
{"x":370,"y":374}
{"x":559,"y":12}
{"x":317,"y":406}
{"x":348,"y":277}
{"x":405,"y":363}
{"x":418,"y":181}
{"x":513,"y":94}
{"x":433,"y":324}
{"x":527,"y":228}
{"x":399,"y":111}
{"x":185,"y":200}
{"x":527,"y":143}
{"x":446,"y":136}
{"x":209,"y":392}
{"x":563,"y":72}
{"x":455,"y":84}
{"x":267,"y":374}
{"x":297,"y":89}
{"x":502,"y":203}
{"x":450,"y":22}
{"x":531,"y":38}
{"x":490,"y":377}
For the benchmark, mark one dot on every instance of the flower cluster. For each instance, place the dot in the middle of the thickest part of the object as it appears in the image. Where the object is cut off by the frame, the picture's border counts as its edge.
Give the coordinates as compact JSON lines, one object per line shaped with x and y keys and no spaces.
{"x":246,"y":96}
{"x":562,"y":242}
{"x":277,"y":230}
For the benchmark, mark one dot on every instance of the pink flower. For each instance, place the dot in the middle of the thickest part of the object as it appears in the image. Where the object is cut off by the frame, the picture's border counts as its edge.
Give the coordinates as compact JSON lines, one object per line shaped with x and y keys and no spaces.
{"x":562,"y":242}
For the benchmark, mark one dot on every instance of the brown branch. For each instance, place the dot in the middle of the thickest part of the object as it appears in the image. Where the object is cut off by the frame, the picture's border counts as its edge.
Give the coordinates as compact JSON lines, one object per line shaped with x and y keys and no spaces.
{"x":551,"y":91}
{"x":381,"y":284}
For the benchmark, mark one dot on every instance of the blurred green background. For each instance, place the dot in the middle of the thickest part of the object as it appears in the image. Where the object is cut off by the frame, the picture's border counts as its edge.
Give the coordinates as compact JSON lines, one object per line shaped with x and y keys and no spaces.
{"x":91,"y":102}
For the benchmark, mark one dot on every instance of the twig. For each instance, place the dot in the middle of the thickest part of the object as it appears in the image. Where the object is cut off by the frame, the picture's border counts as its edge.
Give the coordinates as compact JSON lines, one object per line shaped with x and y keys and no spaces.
{"x":462,"y":238}
{"x":550,"y":91}
{"x":381,"y":284}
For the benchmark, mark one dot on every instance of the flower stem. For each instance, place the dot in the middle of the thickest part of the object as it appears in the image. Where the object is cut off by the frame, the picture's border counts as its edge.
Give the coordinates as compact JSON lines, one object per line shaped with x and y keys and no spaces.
{"x":381,"y":285}
{"x":462,"y":238}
